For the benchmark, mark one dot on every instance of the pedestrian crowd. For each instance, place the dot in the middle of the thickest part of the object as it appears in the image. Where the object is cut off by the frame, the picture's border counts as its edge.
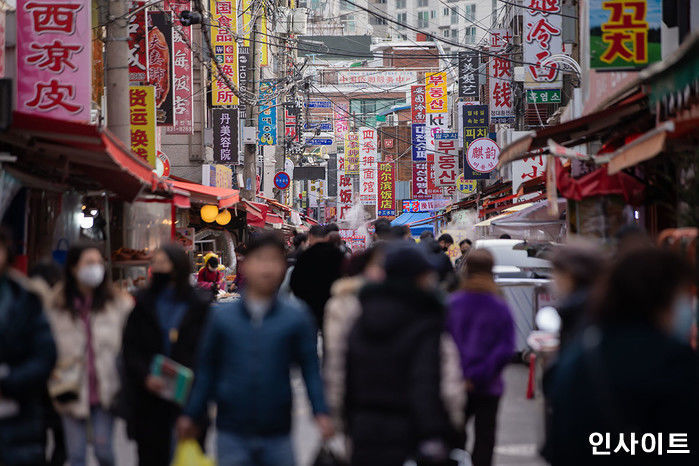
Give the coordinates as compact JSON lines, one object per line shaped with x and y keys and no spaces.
{"x":411,"y":349}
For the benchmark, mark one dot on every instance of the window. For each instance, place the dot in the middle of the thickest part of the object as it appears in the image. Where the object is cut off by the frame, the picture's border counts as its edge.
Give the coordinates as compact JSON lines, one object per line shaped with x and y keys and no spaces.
{"x":422,"y":2}
{"x":446,"y":33}
{"x":402,"y":18}
{"x":350,"y":24}
{"x":400,"y":4}
{"x":347,"y":6}
{"x":471,"y":35}
{"x":454,"y":33}
{"x":423,"y":19}
{"x":376,"y":21}
{"x":446,"y":11}
{"x":454,"y":15}
{"x":471,"y":12}
{"x":365,"y":110}
{"x":433,"y":14}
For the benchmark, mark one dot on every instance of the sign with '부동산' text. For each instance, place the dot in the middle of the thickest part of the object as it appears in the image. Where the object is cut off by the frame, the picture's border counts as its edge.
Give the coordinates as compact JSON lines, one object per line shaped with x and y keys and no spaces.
{"x":142,"y":119}
{"x":54,"y":69}
{"x":446,"y":159}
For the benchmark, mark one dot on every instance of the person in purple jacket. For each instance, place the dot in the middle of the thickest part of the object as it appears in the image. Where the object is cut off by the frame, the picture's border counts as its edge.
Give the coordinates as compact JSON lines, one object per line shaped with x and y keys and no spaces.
{"x":481,"y":324}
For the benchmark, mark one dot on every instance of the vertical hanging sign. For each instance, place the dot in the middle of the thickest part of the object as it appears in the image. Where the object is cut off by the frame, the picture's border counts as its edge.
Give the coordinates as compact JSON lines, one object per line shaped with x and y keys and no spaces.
{"x":341,"y":123}
{"x":476,"y":124}
{"x":223,"y":29}
{"x":344,"y":189}
{"x":182,"y":70}
{"x":446,"y":160}
{"x":142,"y":119}
{"x":500,"y":71}
{"x":386,"y":206}
{"x":468,"y":74}
{"x":138,"y":45}
{"x":419,"y":157}
{"x":225,"y":135}
{"x":160,"y":66}
{"x":352,"y":153}
{"x":54,"y":75}
{"x":436,"y":121}
{"x":368,"y":157}
{"x":542,"y":38}
{"x":267,"y":119}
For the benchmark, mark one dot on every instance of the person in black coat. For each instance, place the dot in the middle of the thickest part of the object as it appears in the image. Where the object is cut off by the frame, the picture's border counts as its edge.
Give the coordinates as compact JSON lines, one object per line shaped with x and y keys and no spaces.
{"x":27,"y":356}
{"x":393,"y":407}
{"x":316,"y":270}
{"x":168,"y":319}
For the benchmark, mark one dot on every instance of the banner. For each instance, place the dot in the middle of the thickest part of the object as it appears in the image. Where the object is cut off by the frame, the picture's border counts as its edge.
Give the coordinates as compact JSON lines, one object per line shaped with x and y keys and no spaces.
{"x":223,"y":28}
{"x":392,"y":78}
{"x":267,"y":119}
{"x":138,"y":45}
{"x":436,"y":92}
{"x":160,"y":65}
{"x":386,"y":205}
{"x":527,"y":169}
{"x":420,"y":172}
{"x":54,"y":67}
{"x":417,"y":104}
{"x":542,"y":38}
{"x":243,"y":60}
{"x":625,"y":34}
{"x":344,"y":189}
{"x":500,"y":71}
{"x":352,"y":153}
{"x":469,"y":63}
{"x":368,"y":158}
{"x":341,"y":121}
{"x":142,"y":120}
{"x":182,"y":70}
{"x":225,"y":131}
{"x":446,"y":160}
{"x":476,"y":124}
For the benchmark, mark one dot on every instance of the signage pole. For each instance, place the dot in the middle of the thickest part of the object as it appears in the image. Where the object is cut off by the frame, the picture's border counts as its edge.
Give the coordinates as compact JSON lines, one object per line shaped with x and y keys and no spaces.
{"x":250,"y":149}
{"x":117,"y":70}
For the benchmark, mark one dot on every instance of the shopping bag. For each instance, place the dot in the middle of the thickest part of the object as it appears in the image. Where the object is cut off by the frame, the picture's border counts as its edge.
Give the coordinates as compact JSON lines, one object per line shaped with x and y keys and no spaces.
{"x":60,"y":254}
{"x":188,"y":453}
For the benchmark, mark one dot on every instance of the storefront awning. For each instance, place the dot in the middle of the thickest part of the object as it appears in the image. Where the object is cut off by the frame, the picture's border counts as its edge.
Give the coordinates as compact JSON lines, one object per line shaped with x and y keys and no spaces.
{"x":77,"y":155}
{"x":220,"y":197}
{"x":417,"y":221}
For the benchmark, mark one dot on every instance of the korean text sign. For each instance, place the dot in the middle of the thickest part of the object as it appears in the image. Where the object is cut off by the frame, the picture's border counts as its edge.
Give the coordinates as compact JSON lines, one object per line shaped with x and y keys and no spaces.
{"x":624,"y":34}
{"x":476,"y":123}
{"x":225,"y":135}
{"x":446,"y":159}
{"x":142,"y":119}
{"x":385,"y":206}
{"x":500,"y":71}
{"x":368,"y":158}
{"x":267,"y":119}
{"x":418,"y":133}
{"x":224,"y":26}
{"x":542,"y":25}
{"x":54,"y":58}
{"x":436,"y":92}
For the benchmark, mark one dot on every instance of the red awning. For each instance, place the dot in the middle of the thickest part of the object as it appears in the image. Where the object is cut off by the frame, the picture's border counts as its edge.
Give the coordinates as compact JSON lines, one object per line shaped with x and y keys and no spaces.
{"x":77,"y":155}
{"x":256,"y":213}
{"x":598,"y":183}
{"x":220,"y":197}
{"x":274,"y":219}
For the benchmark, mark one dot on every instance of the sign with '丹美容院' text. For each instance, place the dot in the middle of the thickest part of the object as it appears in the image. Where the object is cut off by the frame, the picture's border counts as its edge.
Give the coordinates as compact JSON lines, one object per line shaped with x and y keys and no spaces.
{"x":225,"y":122}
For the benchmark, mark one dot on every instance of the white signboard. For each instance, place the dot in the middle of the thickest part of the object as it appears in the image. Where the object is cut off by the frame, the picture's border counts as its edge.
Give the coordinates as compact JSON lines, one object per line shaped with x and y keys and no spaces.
{"x":542,"y":24}
{"x":377,"y":78}
{"x":482,"y":155}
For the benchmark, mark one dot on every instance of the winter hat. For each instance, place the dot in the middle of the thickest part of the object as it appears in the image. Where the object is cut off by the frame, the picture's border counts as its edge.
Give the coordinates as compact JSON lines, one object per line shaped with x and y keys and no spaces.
{"x":406,"y":261}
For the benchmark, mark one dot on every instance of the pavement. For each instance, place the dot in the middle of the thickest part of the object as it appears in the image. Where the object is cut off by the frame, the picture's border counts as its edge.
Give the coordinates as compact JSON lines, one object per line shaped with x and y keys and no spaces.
{"x":520,"y":427}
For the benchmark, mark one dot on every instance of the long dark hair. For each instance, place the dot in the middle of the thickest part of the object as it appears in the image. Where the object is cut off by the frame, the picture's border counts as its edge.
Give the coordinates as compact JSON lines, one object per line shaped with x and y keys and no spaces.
{"x":101,"y":295}
{"x":181,"y":268}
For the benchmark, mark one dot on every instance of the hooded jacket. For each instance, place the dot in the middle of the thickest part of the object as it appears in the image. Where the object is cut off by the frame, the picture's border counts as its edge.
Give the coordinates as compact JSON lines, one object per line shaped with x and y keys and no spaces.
{"x":393,"y":397}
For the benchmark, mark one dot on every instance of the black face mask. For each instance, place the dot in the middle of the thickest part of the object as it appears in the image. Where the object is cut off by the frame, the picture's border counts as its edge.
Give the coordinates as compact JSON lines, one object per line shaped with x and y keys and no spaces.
{"x":160,"y":280}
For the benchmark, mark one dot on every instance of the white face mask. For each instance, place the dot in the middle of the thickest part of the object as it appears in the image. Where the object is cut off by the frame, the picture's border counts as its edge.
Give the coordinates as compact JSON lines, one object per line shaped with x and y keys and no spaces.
{"x":91,"y":275}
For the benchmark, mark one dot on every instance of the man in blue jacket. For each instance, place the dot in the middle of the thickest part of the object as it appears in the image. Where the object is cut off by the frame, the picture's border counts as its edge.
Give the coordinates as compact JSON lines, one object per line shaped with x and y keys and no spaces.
{"x":247,"y":351}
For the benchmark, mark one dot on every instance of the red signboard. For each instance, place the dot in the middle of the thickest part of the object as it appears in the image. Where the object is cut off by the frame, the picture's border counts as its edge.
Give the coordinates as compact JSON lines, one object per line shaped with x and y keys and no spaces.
{"x":138,"y":45}
{"x":417,"y":104}
{"x":182,"y":70}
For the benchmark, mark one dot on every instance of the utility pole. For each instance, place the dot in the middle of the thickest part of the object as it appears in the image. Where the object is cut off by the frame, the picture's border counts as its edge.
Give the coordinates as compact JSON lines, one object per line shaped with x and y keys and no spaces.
{"x":117,"y":70}
{"x":252,"y":110}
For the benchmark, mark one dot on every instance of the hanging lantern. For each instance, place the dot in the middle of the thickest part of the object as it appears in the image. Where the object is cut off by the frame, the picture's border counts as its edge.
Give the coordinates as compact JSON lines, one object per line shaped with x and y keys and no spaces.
{"x":224,"y":217}
{"x":208,"y":213}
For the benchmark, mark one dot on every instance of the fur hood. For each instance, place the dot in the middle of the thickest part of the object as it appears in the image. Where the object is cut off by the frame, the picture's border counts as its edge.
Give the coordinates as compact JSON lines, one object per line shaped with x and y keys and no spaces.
{"x":347,"y":285}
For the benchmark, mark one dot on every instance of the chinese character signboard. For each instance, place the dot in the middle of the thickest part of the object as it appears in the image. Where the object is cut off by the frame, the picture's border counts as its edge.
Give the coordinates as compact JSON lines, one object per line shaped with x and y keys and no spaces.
{"x":142,"y":119}
{"x":368,"y":158}
{"x":527,"y":169}
{"x":341,"y":122}
{"x":376,"y":79}
{"x":352,"y":153}
{"x":501,"y":75}
{"x":225,"y":135}
{"x":446,"y":159}
{"x":54,"y":73}
{"x":624,"y":34}
{"x":542,"y":38}
{"x":476,"y":123}
{"x":482,"y":155}
{"x":182,"y":70}
{"x":267,"y":119}
{"x":223,"y":29}
{"x":385,"y":205}
{"x":436,"y":92}
{"x":291,"y":133}
{"x":138,"y":45}
{"x":468,"y":74}
{"x":160,"y":64}
{"x":344,"y":189}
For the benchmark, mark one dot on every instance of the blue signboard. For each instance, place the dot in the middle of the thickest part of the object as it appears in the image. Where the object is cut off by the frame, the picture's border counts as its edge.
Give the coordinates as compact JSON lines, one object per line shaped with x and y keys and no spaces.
{"x":319,"y":141}
{"x":324,"y":126}
{"x":267,"y":120}
{"x":319,"y":104}
{"x":419,"y":142}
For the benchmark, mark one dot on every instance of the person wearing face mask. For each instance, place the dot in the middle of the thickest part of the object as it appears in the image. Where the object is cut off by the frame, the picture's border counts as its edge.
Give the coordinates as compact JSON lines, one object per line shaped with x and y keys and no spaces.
{"x":87,"y":317}
{"x":633,"y":369}
{"x":167,"y":320}
{"x":211,"y":277}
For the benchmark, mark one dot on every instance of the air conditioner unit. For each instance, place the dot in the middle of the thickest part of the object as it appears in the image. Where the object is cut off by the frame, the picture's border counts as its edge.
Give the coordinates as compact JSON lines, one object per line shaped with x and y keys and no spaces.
{"x":391,"y":120}
{"x":299,"y":22}
{"x":281,"y":25}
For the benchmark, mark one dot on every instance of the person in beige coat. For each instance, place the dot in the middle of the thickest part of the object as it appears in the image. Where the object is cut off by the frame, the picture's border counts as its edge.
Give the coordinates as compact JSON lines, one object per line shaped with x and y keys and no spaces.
{"x":87,"y":317}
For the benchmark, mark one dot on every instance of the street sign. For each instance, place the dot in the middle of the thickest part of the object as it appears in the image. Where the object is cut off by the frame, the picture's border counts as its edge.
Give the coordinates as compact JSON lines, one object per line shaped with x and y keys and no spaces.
{"x":282,"y":180}
{"x":319,"y":141}
{"x":466,"y":186}
{"x":319,"y":104}
{"x":482,"y":155}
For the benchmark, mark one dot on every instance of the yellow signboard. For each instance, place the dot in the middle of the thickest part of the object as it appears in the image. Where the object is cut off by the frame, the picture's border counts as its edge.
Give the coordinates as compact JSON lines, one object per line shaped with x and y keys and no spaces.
{"x":223,"y":31}
{"x":142,"y":118}
{"x":436,"y":92}
{"x":466,"y":186}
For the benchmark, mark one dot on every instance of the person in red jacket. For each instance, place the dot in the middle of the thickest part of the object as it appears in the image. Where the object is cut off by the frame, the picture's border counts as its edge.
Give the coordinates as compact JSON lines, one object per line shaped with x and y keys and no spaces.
{"x":210,"y":277}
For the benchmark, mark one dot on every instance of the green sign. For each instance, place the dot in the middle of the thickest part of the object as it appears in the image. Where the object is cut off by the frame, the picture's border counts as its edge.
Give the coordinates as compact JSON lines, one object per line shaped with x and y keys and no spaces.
{"x":624,"y":34}
{"x":543,"y":96}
